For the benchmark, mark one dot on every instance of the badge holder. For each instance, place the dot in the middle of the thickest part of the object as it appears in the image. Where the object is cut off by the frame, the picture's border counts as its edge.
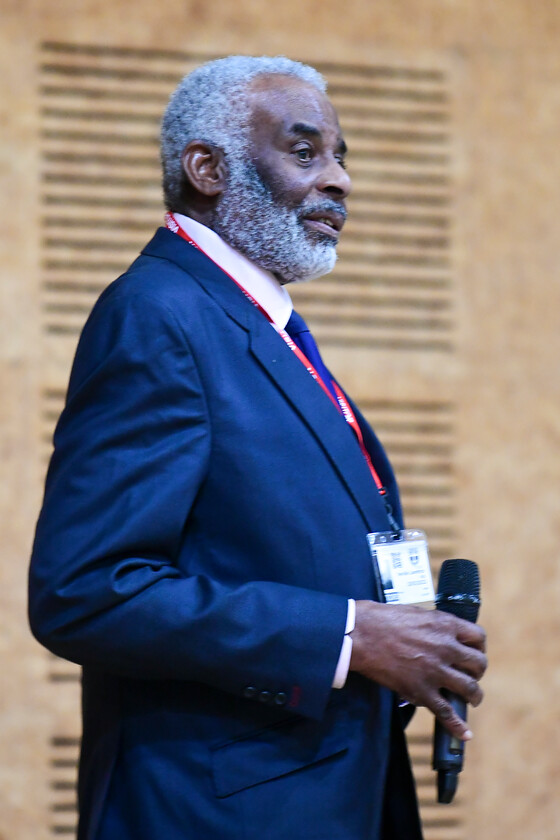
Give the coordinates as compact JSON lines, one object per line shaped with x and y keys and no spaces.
{"x":404,"y":566}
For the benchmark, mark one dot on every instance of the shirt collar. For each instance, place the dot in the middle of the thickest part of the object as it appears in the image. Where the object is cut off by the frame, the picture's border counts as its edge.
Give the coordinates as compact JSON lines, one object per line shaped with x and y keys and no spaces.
{"x":261,"y":284}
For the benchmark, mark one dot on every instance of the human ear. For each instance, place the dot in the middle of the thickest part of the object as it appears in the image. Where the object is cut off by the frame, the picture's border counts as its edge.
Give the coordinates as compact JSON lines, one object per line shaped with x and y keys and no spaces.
{"x":205,"y":168}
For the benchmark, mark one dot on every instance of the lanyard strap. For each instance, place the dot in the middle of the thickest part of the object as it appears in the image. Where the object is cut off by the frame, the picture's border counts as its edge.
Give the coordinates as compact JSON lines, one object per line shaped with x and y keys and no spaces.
{"x":341,"y":404}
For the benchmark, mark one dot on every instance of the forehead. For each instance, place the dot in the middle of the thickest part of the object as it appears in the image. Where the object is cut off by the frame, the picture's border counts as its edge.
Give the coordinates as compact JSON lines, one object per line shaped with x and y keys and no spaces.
{"x":280,"y":103}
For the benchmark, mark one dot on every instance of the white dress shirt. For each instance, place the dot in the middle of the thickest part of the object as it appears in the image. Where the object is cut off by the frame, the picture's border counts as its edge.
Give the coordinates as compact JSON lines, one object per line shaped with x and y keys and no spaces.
{"x":274,"y":298}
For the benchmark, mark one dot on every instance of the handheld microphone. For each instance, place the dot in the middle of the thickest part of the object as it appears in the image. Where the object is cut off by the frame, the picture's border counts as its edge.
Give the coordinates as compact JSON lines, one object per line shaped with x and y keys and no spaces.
{"x":459,"y":594}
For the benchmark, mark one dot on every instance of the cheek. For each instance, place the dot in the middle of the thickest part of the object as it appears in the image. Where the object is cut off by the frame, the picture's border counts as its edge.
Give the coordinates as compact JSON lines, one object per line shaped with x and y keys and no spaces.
{"x":290,"y":193}
{"x":288,"y":185}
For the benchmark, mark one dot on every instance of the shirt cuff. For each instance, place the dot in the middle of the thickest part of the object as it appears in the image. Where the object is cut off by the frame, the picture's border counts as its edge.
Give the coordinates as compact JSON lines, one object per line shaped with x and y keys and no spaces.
{"x":343,"y":665}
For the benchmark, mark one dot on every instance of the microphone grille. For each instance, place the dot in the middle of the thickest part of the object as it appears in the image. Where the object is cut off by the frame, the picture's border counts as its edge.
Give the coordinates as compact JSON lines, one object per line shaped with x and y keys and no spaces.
{"x":459,"y":589}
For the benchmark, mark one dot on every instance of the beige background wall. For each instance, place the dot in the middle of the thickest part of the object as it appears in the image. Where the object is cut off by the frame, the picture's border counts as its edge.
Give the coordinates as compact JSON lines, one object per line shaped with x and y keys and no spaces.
{"x":503,"y":68}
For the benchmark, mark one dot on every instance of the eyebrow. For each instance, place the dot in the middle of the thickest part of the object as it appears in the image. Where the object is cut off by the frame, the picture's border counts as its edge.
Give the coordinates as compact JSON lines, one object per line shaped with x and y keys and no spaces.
{"x":305,"y":128}
{"x":313,"y":131}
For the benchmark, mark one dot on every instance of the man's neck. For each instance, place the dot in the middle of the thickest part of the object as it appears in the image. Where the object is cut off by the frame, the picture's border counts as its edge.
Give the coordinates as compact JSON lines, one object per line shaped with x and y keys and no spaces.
{"x":260,"y":283}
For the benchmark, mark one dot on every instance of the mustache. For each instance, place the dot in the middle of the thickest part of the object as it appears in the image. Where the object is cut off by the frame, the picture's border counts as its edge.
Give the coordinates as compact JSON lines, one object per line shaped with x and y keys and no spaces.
{"x":326,"y":206}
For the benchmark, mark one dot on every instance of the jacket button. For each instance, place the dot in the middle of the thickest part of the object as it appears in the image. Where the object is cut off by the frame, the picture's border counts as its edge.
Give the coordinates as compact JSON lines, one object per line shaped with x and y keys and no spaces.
{"x":249,"y":692}
{"x":280,"y":699}
{"x":265,"y":696}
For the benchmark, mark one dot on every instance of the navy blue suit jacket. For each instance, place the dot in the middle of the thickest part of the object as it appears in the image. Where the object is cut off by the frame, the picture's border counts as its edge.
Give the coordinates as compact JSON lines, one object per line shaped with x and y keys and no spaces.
{"x":204,"y":523}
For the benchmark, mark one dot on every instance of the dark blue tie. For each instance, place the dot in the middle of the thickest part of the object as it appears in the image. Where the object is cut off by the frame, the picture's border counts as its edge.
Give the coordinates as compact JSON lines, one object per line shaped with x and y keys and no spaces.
{"x":299,"y":332}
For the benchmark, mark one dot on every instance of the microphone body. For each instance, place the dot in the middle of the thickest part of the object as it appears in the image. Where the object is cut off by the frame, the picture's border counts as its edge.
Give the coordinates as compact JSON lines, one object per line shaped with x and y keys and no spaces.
{"x":459,"y":594}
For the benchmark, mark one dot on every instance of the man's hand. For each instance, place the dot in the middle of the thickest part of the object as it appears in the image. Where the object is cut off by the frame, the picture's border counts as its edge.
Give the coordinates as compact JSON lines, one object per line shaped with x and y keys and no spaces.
{"x":417,"y":652}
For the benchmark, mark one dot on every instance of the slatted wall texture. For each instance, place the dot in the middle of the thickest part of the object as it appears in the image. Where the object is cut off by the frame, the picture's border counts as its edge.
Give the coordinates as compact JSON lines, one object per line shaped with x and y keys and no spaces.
{"x":392,"y":289}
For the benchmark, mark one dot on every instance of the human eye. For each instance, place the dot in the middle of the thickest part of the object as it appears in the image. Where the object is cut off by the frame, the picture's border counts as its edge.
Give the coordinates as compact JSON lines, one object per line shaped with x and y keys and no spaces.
{"x":303,"y":153}
{"x":341,"y":160}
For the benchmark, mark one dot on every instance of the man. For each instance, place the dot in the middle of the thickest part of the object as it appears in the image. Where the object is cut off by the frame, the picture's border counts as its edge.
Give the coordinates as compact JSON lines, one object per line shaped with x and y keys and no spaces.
{"x":202,"y":547}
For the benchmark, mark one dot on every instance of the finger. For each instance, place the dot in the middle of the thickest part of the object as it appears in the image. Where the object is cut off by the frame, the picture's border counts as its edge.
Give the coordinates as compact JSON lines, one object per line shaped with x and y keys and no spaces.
{"x":472,"y":635}
{"x":464,"y":685}
{"x":472,"y":662}
{"x":449,"y":718}
{"x":473,"y":694}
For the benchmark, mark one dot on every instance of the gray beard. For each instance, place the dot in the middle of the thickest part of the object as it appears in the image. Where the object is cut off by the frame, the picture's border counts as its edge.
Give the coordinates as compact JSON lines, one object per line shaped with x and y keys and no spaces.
{"x":270,"y":234}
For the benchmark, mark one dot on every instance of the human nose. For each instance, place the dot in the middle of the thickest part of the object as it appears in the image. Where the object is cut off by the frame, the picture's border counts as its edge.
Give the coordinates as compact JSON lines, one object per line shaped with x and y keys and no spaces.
{"x":334,"y":180}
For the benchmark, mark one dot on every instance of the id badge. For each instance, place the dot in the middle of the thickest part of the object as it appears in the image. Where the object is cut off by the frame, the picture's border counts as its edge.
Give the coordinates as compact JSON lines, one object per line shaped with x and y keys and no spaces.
{"x":404,"y":566}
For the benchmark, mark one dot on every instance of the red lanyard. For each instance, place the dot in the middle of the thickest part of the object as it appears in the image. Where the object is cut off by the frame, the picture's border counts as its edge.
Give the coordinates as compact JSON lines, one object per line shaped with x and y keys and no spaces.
{"x":343,"y":406}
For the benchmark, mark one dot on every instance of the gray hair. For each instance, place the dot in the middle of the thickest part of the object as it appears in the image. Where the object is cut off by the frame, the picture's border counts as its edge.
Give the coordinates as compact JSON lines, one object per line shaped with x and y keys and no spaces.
{"x":212,"y":104}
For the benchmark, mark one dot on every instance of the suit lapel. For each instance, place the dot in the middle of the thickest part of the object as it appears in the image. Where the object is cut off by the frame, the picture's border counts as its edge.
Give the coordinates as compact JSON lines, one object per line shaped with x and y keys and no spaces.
{"x":284,"y":368}
{"x":321,"y":417}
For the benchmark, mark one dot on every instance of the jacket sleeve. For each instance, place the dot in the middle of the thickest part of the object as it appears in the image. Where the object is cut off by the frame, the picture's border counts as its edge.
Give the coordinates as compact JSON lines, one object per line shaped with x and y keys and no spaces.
{"x":131,"y":452}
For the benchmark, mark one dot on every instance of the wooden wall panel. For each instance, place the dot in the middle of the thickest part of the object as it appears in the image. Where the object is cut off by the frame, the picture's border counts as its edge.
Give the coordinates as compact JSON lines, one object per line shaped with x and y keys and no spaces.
{"x":392,"y":289}
{"x":23,"y":716}
{"x":446,"y":287}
